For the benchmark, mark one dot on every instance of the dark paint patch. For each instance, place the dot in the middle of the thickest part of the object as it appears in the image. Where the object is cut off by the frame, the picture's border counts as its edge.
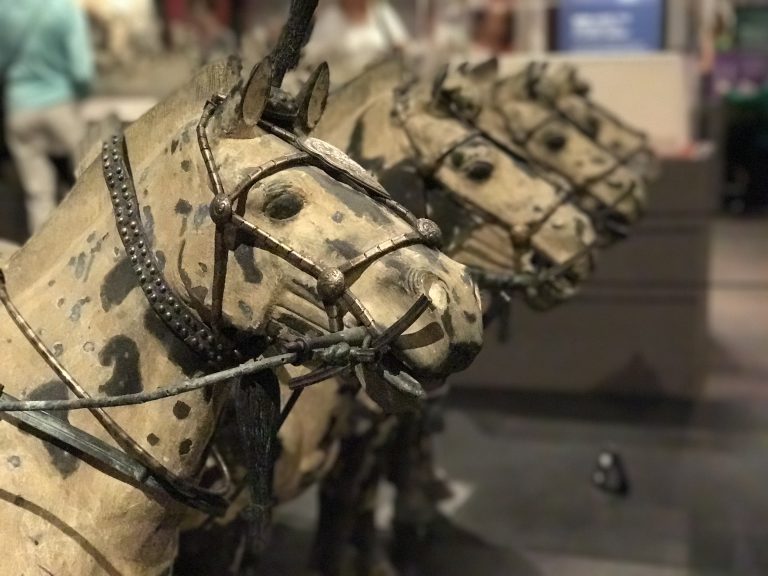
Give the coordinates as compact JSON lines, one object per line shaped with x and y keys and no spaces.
{"x":176,"y":350}
{"x":91,"y":237}
{"x":14,"y":461}
{"x":174,"y":145}
{"x":89,"y":347}
{"x":149,"y":223}
{"x":77,"y":309}
{"x":397,"y":265}
{"x":185,"y":446}
{"x":181,"y":410}
{"x":160,"y":256}
{"x":203,"y":267}
{"x":58,"y":349}
{"x":62,"y":460}
{"x":79,"y":265}
{"x":407,"y":186}
{"x":199,"y":293}
{"x":246,"y":259}
{"x":461,"y":357}
{"x":201,"y":215}
{"x":152,"y":440}
{"x":343,"y":247}
{"x":51,"y":282}
{"x":122,"y":353}
{"x":183,"y":207}
{"x":470,"y":317}
{"x":337,"y":217}
{"x":246,"y":310}
{"x":117,"y":284}
{"x":186,"y":165}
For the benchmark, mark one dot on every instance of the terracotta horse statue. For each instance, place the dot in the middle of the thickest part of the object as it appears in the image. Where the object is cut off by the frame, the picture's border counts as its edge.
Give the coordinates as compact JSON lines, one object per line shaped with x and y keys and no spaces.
{"x":512,"y":112}
{"x":446,"y":151}
{"x":562,"y":88}
{"x":497,"y":215}
{"x":129,"y":287}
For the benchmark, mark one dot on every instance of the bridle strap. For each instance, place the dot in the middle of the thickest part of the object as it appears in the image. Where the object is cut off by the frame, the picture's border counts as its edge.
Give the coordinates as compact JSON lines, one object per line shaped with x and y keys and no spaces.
{"x":181,"y":320}
{"x":100,"y":454}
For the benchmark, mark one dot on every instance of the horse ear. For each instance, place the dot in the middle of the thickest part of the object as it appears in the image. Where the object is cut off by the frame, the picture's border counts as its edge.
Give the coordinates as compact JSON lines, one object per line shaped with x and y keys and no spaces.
{"x":256,"y":92}
{"x":439,"y":82}
{"x":312,"y":99}
{"x":486,"y":71}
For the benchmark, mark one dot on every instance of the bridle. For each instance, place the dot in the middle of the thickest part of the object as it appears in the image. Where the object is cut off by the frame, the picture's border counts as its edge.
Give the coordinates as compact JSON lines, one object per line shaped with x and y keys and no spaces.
{"x":207,"y":339}
{"x":475,"y":214}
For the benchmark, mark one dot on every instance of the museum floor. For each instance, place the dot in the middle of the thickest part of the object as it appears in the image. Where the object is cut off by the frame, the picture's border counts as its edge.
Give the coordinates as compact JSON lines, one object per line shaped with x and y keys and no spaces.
{"x":698,"y":503}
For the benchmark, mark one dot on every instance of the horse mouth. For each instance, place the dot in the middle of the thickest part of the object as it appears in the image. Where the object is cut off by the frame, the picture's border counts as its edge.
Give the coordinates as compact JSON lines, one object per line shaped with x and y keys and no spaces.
{"x":393,"y":387}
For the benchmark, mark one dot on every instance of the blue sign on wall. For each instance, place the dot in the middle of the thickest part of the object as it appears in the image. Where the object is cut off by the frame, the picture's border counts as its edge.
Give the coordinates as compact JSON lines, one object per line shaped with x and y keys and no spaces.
{"x":610,"y":25}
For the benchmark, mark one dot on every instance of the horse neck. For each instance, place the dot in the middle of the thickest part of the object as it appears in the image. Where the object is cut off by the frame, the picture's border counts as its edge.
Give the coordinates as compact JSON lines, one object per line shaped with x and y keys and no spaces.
{"x":369,"y":133}
{"x":75,"y":285}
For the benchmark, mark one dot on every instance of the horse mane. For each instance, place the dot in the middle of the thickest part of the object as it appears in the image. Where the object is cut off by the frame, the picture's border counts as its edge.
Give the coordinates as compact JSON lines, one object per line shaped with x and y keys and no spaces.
{"x":151,"y":132}
{"x":350,"y":100}
{"x":164,"y":118}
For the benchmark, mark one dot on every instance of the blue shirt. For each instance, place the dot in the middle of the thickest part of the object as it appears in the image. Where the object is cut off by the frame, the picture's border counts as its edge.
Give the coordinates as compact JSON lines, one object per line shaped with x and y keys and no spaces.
{"x":49,"y":44}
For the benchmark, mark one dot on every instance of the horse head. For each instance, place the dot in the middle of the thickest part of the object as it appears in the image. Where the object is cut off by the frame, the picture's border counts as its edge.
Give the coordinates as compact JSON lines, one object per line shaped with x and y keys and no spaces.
{"x":563,"y":88}
{"x":318,"y":244}
{"x":509,"y":225}
{"x":208,"y":233}
{"x":508,"y":111}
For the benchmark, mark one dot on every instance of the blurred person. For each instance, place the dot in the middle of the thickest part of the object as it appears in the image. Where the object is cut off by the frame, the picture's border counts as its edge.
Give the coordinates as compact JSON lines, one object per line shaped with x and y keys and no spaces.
{"x":350,"y":34}
{"x":447,"y":34}
{"x":493,"y":27}
{"x":47,"y":64}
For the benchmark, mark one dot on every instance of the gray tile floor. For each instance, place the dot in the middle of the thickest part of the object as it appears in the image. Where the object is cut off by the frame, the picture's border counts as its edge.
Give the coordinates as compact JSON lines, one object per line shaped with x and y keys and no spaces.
{"x":699,"y":472}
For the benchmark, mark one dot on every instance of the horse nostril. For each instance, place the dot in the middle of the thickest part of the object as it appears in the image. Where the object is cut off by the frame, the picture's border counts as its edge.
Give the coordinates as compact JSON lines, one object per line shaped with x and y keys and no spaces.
{"x":592,"y":126}
{"x":555,"y":141}
{"x":480,"y":170}
{"x":617,"y":183}
{"x":425,"y":283}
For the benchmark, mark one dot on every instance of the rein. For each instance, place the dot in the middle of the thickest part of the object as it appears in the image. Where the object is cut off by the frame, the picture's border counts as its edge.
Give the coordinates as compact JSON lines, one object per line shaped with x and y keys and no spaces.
{"x":339,"y":351}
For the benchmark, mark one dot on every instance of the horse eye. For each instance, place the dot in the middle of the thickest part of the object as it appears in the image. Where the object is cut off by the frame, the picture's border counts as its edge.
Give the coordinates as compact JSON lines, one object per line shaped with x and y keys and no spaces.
{"x":283,"y":205}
